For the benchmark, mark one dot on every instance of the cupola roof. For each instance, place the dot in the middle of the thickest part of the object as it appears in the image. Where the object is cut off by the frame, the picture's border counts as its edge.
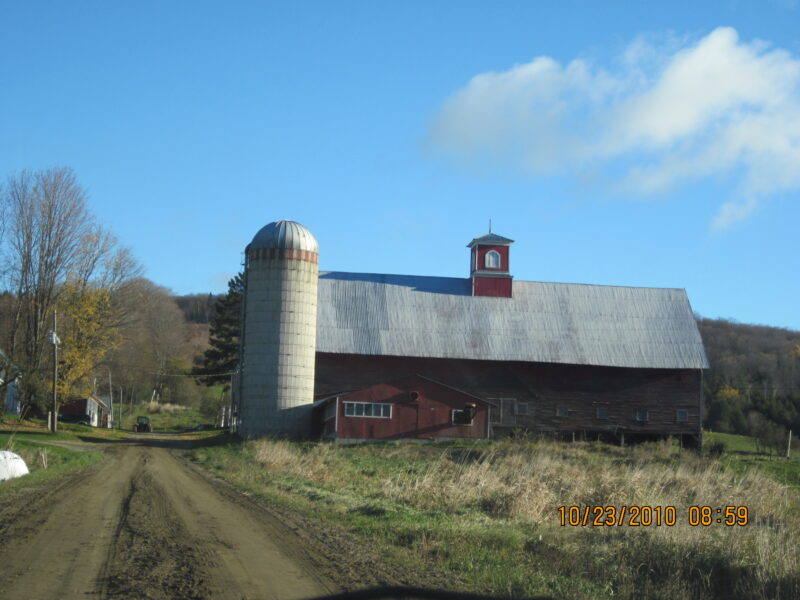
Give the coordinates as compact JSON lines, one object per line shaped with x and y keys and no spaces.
{"x":491,"y":239}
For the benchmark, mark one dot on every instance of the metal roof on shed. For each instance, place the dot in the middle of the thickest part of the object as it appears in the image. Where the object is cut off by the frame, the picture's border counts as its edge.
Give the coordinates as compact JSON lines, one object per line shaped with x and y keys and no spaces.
{"x":436,"y":317}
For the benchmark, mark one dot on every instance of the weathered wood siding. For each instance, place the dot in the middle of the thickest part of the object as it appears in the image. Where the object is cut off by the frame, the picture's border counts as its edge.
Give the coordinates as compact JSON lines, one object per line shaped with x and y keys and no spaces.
{"x":580,"y":390}
{"x":426,"y":415}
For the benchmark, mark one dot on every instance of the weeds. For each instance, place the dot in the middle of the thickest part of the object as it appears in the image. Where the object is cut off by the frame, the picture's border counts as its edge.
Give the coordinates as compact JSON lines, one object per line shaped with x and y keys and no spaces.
{"x":488,"y":513}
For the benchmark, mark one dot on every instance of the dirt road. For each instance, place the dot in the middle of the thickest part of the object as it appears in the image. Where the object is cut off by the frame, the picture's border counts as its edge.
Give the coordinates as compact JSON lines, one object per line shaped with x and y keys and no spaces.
{"x":145,"y":524}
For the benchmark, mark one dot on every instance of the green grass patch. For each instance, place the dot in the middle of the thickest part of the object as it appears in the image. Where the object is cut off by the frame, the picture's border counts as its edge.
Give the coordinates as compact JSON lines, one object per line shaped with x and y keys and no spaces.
{"x":45,"y":462}
{"x":165,"y":418}
{"x":741,"y":455}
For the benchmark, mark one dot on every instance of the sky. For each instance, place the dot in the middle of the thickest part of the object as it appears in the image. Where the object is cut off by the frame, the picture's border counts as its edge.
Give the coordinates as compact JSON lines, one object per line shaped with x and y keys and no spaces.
{"x":618,"y":143}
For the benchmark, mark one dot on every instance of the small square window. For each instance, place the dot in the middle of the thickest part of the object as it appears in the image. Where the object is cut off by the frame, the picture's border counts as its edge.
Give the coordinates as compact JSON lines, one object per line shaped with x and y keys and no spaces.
{"x":349,"y":409}
{"x":602,"y":412}
{"x":642,"y":415}
{"x":521,"y":408}
{"x":562,"y":411}
{"x":359,"y":410}
{"x":682,"y":415}
{"x":460,"y":417}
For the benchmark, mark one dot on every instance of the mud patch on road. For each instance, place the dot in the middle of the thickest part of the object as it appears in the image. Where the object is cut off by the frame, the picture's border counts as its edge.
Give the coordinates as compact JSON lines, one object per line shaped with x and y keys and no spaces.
{"x":152,"y":555}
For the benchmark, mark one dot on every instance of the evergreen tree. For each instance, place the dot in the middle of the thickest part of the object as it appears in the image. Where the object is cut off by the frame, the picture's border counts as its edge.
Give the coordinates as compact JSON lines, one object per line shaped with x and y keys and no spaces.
{"x":223,"y":336}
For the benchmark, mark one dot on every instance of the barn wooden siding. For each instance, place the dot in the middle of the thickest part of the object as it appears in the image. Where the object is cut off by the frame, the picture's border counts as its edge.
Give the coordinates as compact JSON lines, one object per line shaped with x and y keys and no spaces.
{"x":427,"y":415}
{"x":499,"y":287}
{"x":543,"y":387}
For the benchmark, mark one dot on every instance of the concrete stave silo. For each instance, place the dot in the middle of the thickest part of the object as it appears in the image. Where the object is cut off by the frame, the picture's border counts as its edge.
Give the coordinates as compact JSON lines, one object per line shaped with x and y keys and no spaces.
{"x":279,"y":332}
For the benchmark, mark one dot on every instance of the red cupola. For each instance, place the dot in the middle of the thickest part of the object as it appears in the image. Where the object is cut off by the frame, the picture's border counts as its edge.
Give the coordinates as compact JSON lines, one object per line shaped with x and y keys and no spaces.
{"x":489,"y":266}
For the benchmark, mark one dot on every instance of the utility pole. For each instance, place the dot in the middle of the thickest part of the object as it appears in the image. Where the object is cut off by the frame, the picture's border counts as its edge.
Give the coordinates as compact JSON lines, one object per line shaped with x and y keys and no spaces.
{"x":55,"y":341}
{"x":110,"y":400}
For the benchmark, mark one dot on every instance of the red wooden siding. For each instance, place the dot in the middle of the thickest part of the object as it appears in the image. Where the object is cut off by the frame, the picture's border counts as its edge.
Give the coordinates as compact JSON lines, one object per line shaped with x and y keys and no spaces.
{"x":544,"y":387}
{"x":426,"y":415}
{"x":482,"y":250}
{"x":491,"y":286}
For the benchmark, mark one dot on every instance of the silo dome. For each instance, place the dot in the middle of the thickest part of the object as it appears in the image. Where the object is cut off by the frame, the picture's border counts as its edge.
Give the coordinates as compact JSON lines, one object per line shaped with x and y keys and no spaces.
{"x":285,"y":235}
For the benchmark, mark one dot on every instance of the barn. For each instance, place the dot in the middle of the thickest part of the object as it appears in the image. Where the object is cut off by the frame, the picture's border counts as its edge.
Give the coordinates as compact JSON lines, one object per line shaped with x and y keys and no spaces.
{"x":564,"y":359}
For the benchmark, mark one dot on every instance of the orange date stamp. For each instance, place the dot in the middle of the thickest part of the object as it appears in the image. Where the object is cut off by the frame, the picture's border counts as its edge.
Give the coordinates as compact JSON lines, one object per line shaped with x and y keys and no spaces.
{"x":652,"y":516}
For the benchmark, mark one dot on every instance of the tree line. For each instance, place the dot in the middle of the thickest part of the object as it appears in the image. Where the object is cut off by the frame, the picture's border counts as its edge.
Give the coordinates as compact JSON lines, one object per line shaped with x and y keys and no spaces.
{"x":753,"y":385}
{"x":120,"y":334}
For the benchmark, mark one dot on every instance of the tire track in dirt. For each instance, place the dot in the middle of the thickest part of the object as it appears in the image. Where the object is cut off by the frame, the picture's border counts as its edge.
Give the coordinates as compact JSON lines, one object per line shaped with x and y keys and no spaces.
{"x":142,"y":524}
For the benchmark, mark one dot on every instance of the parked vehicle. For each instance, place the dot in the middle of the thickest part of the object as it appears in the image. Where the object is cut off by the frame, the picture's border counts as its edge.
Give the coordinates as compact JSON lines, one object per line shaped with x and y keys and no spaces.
{"x":143,"y":425}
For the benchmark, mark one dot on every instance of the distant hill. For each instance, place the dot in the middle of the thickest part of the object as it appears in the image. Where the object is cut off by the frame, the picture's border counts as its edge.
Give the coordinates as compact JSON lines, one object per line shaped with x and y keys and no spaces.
{"x":198,"y":308}
{"x":754,"y":379}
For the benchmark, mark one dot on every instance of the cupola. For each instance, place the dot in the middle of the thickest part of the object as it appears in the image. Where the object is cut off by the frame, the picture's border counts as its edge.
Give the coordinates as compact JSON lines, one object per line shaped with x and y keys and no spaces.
{"x":489,"y":266}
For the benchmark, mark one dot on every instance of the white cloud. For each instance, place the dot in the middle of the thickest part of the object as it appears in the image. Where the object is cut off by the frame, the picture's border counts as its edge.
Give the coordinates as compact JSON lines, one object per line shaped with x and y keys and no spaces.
{"x":717,"y":107}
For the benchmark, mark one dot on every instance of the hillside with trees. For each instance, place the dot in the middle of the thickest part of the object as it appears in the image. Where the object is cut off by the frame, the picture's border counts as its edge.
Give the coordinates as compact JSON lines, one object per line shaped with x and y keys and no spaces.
{"x":753,"y":385}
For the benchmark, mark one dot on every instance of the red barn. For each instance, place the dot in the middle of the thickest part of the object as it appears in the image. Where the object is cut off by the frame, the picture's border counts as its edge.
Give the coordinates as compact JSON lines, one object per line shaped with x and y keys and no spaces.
{"x":564,"y":359}
{"x":412,"y":407}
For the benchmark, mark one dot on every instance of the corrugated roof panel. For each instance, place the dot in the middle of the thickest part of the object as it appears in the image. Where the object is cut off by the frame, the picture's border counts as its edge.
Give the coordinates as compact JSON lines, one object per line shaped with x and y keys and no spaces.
{"x":436,"y":317}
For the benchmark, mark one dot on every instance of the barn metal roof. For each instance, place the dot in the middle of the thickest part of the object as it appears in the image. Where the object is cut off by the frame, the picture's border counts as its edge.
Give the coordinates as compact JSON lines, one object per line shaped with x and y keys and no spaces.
{"x":436,"y":317}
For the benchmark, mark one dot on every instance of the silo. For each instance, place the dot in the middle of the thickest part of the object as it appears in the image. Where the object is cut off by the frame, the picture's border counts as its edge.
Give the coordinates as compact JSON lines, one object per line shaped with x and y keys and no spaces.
{"x":280,"y":332}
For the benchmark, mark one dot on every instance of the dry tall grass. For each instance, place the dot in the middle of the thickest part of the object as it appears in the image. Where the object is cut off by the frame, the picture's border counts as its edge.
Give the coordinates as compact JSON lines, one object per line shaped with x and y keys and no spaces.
{"x":525,"y":482}
{"x":154,"y":407}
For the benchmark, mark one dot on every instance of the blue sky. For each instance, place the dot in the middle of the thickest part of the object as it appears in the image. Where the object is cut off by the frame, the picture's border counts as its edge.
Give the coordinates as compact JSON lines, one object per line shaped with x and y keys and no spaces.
{"x":621,"y":143}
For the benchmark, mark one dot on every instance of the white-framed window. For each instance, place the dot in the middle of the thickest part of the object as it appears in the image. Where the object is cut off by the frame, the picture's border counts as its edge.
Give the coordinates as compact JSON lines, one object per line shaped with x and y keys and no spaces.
{"x":642,"y":414}
{"x":681,"y":415}
{"x":602,"y":412}
{"x":375,"y":410}
{"x":562,"y":411}
{"x":492,"y":260}
{"x":521,"y":409}
{"x":503,"y":413}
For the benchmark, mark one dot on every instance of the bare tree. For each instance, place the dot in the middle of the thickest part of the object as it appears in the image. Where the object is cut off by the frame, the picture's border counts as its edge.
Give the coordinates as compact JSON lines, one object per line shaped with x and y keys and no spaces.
{"x":51,"y":238}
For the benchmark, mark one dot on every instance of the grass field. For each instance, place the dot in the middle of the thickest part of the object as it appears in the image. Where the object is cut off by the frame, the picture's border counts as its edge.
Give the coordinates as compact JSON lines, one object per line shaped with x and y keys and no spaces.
{"x":46,"y":461}
{"x":164,"y":417}
{"x":488,"y":514}
{"x":741,"y":456}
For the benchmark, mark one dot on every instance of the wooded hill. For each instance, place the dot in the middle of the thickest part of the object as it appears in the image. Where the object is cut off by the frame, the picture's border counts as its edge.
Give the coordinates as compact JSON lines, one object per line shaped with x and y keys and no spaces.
{"x":753,"y":384}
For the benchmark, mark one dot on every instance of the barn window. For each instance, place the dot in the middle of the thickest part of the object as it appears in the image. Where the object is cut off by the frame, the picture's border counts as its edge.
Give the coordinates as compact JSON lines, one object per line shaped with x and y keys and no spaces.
{"x":464,"y":416}
{"x":504,"y":413}
{"x":521,"y":408}
{"x":602,"y":412}
{"x":562,"y":411}
{"x":682,"y":415}
{"x":642,"y":415}
{"x":492,"y":259}
{"x":368,"y":409}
